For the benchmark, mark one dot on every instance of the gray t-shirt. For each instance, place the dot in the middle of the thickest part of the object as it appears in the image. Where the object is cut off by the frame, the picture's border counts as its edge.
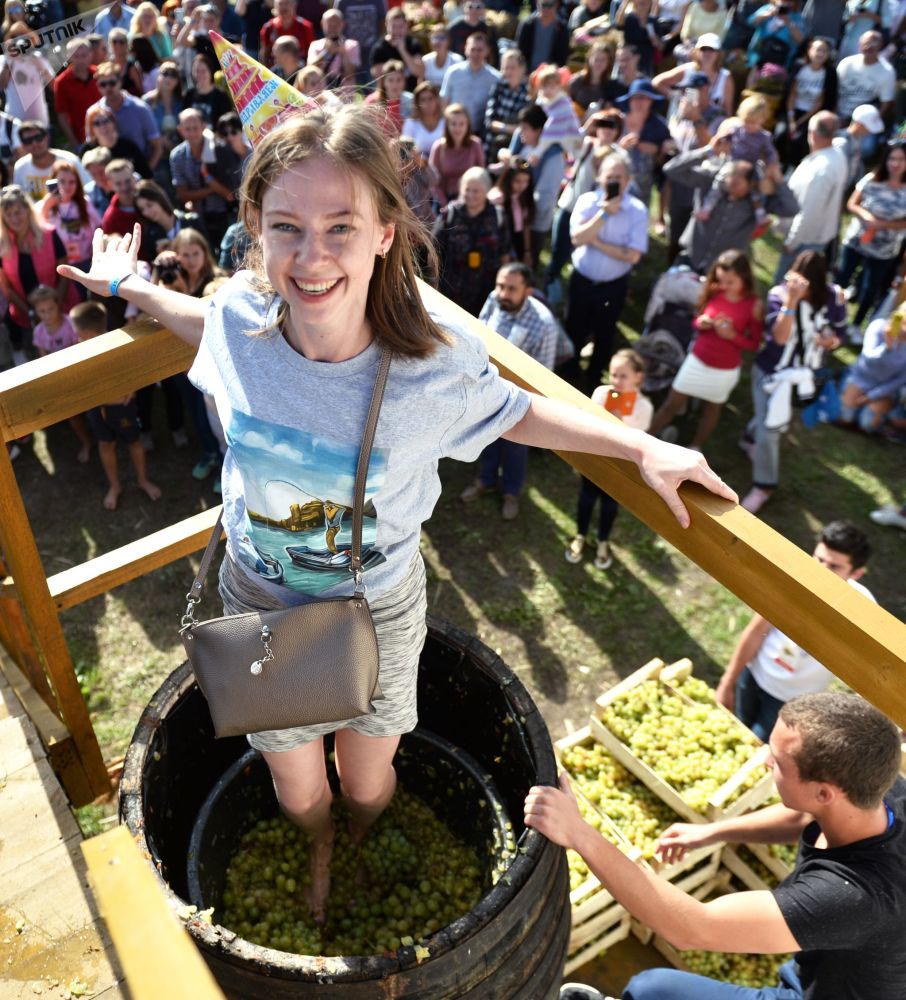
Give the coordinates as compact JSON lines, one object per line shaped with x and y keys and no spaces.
{"x":293,"y":429}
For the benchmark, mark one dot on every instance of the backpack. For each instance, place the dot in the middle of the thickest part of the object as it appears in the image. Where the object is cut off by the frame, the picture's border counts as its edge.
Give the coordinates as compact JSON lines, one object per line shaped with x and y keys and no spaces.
{"x":772,"y":49}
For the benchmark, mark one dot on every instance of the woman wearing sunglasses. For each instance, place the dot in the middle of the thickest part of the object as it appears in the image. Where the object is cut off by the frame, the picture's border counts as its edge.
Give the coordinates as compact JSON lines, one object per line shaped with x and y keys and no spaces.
{"x":102,"y":130}
{"x":165,"y":102}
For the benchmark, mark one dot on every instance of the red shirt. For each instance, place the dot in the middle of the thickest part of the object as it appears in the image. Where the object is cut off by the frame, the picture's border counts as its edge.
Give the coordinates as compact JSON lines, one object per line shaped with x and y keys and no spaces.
{"x":120,"y":221}
{"x":712,"y":349}
{"x":73,"y":97}
{"x":300,"y":29}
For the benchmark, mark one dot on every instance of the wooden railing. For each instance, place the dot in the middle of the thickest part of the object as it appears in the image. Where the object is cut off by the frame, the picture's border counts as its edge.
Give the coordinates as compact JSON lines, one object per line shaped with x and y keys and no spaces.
{"x":860,"y":642}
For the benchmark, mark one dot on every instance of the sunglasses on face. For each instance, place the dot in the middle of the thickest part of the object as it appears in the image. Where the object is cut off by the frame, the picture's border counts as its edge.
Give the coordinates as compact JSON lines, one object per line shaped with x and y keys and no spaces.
{"x":108,"y":84}
{"x":120,"y":41}
{"x":170,"y":72}
{"x":105,"y":120}
{"x":28,"y":140}
{"x":230,"y":130}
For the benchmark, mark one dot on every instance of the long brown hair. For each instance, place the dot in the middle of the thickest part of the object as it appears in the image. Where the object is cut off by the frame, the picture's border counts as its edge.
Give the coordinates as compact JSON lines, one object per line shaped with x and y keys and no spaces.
{"x":730,"y":260}
{"x":352,"y":139}
{"x":812,"y":265}
{"x":61,"y":166}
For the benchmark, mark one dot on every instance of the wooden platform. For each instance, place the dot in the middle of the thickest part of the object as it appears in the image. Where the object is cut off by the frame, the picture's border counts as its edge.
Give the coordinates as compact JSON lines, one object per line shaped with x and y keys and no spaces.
{"x":52,"y":942}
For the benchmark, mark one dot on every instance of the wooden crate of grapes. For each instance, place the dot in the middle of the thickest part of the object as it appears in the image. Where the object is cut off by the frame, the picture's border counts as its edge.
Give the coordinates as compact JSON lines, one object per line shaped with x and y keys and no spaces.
{"x":759,"y":866}
{"x":664,"y":726}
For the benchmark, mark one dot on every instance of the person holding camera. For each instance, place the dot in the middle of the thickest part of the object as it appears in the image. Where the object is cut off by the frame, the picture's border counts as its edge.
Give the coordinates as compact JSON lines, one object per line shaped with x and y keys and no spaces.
{"x":73,"y":217}
{"x":338,"y":57}
{"x":779,"y":30}
{"x":609,"y":232}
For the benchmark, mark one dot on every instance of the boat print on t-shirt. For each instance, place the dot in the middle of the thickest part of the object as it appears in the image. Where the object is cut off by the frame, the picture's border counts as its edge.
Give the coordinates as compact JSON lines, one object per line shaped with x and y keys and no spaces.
{"x":298,"y":491}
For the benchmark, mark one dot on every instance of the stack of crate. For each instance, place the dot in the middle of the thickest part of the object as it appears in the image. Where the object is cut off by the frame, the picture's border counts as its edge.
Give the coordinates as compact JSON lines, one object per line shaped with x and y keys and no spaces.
{"x":606,"y":774}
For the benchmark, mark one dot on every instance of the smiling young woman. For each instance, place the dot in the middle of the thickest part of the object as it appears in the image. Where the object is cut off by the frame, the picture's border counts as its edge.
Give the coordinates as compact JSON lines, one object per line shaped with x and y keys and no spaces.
{"x":289,"y":349}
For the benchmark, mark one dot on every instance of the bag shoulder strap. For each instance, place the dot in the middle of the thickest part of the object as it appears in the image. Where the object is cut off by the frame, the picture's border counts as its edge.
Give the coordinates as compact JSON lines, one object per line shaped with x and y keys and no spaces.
{"x":196,"y":591}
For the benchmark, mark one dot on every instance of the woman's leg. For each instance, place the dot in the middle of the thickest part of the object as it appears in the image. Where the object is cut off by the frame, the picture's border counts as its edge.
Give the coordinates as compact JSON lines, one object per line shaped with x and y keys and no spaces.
{"x":588,"y":494}
{"x":876,"y":275}
{"x":367,"y":777}
{"x":300,"y":781}
{"x":850,"y":259}
{"x":766,"y":454}
{"x":667,"y":411}
{"x":609,"y":510}
{"x":707,"y":423}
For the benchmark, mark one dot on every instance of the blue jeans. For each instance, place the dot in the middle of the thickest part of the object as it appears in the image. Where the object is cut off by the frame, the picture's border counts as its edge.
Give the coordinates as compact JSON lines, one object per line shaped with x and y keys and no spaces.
{"x":507,"y":458}
{"x":867,"y":420}
{"x":756,"y":708}
{"x":874,"y":279}
{"x":671,"y":984}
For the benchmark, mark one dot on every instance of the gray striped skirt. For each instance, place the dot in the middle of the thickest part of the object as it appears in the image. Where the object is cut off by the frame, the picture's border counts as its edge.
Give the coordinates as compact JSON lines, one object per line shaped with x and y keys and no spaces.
{"x":399,"y":621}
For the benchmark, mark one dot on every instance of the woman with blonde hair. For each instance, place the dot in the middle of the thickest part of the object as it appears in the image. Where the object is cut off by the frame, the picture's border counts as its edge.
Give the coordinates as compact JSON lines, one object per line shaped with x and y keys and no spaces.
{"x":290,"y":351}
{"x":452,"y":155}
{"x":30,"y":254}
{"x":148,"y":22}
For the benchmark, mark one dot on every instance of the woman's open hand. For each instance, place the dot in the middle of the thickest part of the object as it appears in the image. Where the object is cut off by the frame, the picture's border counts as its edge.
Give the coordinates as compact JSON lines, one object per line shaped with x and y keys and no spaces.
{"x":664,"y":467}
{"x":112,"y":257}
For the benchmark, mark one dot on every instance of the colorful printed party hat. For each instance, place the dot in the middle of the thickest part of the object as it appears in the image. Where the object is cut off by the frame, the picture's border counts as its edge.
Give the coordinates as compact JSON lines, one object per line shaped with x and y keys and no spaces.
{"x":262,"y":99}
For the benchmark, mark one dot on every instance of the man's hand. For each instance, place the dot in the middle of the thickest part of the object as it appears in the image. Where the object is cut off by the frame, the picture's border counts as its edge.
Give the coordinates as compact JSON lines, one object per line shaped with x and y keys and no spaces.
{"x":554,"y":813}
{"x":682,"y":837}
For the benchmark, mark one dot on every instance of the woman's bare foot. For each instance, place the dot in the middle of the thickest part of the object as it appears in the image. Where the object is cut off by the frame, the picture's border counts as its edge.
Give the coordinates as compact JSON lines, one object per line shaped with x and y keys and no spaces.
{"x":317,"y":893}
{"x":152,"y":489}
{"x":112,"y":497}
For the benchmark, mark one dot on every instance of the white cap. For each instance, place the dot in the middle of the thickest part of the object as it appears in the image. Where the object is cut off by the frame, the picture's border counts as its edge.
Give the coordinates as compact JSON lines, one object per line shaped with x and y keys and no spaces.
{"x":869,"y":116}
{"x":708,"y":41}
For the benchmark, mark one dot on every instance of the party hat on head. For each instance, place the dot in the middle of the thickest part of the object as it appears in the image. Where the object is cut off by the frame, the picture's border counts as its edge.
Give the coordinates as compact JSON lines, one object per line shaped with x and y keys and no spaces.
{"x":262,"y":99}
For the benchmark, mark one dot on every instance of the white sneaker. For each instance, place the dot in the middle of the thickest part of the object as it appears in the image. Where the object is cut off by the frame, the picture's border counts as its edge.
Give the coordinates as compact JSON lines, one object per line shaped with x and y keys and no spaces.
{"x":755,"y":499}
{"x":574,"y":553}
{"x":603,"y":557}
{"x":890,"y":517}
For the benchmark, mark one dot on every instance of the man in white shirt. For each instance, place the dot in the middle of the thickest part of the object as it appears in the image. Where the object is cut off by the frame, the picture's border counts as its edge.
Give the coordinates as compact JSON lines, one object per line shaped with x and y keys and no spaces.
{"x":819,"y":183}
{"x":33,"y":169}
{"x":866,"y":120}
{"x":866,"y":78}
{"x":767,"y":668}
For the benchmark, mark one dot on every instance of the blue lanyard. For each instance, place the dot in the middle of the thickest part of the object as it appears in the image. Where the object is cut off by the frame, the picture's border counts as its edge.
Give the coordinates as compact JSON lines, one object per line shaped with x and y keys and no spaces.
{"x":889,"y":815}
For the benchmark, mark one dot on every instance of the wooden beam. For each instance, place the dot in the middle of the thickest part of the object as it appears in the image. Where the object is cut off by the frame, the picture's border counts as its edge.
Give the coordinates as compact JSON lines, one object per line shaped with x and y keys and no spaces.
{"x":16,"y":640}
{"x":17,"y":542}
{"x":71,"y":381}
{"x":861,"y":643}
{"x":96,"y":576}
{"x":155,"y":952}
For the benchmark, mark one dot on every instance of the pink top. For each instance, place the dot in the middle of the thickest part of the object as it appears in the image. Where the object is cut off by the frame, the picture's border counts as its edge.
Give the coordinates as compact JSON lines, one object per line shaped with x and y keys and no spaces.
{"x":451,"y":164}
{"x":711,"y":349}
{"x":74,"y":236}
{"x":495,"y":197}
{"x":64,"y":336}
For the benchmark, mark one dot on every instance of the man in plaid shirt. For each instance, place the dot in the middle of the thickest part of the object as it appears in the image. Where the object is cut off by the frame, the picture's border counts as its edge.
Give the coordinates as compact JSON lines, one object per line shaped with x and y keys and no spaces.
{"x":511,"y":311}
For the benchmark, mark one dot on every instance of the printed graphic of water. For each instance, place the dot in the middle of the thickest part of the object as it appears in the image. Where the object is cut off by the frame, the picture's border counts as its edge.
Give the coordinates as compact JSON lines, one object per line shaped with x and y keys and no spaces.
{"x":273,"y":541}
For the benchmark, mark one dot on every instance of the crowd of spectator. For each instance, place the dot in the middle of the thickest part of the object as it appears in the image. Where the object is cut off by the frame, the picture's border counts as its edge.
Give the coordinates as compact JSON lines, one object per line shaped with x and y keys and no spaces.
{"x":564,"y":133}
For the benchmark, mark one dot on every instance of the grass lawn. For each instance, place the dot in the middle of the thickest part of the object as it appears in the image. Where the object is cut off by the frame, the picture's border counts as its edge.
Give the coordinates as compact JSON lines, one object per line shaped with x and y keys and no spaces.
{"x":568,"y":631}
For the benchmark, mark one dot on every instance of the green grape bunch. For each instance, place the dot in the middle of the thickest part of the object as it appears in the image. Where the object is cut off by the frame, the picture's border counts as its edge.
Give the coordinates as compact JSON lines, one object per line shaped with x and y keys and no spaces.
{"x":684,"y":737}
{"x":634,"y":810}
{"x":753,"y":971}
{"x":408,"y":879}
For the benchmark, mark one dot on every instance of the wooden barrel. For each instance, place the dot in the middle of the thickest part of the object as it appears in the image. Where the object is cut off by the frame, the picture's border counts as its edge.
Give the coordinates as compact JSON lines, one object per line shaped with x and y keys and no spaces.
{"x":511,"y":945}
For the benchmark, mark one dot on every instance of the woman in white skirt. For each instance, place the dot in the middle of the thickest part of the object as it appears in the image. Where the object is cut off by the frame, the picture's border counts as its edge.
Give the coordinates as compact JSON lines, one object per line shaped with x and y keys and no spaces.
{"x":730,"y":321}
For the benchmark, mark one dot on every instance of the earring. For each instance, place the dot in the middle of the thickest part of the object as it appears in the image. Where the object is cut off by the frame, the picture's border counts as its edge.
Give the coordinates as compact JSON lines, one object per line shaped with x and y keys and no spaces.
{"x":383,"y":253}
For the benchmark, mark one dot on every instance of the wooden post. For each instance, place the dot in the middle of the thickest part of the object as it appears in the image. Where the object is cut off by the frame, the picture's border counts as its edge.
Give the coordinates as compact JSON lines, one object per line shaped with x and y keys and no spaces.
{"x":87,"y":778}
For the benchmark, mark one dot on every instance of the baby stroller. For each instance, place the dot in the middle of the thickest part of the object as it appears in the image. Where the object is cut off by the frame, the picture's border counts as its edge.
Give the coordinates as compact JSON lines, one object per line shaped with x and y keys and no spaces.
{"x":668,"y":326}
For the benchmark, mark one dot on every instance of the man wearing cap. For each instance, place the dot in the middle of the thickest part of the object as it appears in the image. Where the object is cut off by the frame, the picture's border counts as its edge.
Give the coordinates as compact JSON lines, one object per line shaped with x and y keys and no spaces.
{"x":866,"y":78}
{"x":866,"y":121}
{"x":542,"y":37}
{"x":75,"y":90}
{"x":470,"y":83}
{"x":819,"y":184}
{"x":472,"y":20}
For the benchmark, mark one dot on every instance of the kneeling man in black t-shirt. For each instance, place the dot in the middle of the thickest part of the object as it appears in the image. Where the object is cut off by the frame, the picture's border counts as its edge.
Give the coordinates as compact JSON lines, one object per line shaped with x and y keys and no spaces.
{"x":835,"y":761}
